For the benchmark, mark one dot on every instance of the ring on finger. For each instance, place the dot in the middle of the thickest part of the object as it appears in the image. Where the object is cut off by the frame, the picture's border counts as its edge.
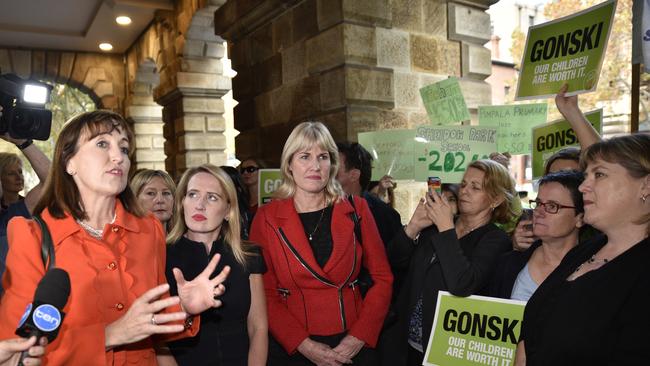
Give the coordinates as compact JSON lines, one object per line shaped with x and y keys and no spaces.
{"x":153,"y":319}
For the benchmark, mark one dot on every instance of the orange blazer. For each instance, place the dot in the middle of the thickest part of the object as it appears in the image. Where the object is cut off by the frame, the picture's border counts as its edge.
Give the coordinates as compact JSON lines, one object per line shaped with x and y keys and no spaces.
{"x":105,"y":278}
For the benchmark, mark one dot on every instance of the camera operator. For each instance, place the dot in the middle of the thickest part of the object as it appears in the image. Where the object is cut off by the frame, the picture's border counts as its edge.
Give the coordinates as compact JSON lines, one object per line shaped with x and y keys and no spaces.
{"x":24,"y":207}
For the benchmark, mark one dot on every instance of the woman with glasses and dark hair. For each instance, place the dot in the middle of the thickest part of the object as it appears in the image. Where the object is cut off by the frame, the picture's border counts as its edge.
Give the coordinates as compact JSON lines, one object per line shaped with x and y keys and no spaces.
{"x":250,"y":175}
{"x":593,"y":308}
{"x":557,"y":219}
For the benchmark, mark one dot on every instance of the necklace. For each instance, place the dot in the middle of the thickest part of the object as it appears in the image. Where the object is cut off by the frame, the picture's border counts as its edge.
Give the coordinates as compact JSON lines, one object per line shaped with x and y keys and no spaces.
{"x":594,"y":262}
{"x":322,"y":213}
{"x":96,"y":233}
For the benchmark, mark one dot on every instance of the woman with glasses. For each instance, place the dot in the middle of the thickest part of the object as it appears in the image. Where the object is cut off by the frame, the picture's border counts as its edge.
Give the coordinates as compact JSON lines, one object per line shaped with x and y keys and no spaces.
{"x":593,"y":309}
{"x":249,"y":169}
{"x":557,"y":219}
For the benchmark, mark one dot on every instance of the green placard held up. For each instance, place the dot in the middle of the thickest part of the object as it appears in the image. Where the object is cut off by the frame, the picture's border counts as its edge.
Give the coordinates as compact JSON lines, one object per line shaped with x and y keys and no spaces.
{"x":556,"y":135}
{"x":444,"y":102}
{"x":269,"y":180}
{"x":514,"y":124}
{"x":392,"y":152}
{"x":445,"y":151}
{"x":566,"y":50}
{"x":474,"y":330}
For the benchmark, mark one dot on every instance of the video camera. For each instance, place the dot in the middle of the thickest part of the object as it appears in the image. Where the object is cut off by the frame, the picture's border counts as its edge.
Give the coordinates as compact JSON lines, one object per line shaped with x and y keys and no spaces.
{"x":23,"y":108}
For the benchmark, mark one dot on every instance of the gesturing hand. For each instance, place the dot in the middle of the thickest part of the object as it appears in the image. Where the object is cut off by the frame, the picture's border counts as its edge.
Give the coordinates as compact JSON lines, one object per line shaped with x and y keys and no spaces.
{"x":418,"y":221}
{"x":201,"y":293}
{"x":321,"y":354}
{"x":566,"y":105}
{"x":141,"y":319}
{"x":349,"y":346}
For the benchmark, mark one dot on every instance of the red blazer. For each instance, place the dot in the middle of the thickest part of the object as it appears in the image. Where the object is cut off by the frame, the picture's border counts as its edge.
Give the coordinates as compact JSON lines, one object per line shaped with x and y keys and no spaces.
{"x":305,"y":299}
{"x":105,"y":278}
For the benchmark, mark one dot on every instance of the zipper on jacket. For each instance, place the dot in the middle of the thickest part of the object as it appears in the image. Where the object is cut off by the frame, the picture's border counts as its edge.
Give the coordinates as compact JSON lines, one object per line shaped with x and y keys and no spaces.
{"x":323,"y":280}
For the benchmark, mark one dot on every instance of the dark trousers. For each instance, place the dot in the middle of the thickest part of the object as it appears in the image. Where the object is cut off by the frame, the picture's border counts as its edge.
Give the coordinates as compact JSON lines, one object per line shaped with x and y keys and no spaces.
{"x":279,"y":357}
{"x":415,"y":357}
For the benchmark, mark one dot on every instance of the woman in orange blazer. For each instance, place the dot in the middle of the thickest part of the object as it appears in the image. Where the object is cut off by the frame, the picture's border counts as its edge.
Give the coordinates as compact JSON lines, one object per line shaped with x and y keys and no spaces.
{"x":114,"y":255}
{"x":313,"y":257}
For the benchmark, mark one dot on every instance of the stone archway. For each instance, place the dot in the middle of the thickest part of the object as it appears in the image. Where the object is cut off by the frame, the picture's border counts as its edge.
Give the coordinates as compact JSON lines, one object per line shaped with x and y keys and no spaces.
{"x":100,"y":76}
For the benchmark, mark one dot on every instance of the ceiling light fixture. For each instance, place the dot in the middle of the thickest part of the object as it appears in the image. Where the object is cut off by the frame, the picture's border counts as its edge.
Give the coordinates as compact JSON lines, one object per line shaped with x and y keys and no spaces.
{"x":105,"y":47}
{"x":123,"y":20}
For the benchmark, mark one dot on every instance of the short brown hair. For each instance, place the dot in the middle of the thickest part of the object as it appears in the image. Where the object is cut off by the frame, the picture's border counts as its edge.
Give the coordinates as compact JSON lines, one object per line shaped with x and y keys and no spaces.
{"x":498,"y":184}
{"x":60,"y":194}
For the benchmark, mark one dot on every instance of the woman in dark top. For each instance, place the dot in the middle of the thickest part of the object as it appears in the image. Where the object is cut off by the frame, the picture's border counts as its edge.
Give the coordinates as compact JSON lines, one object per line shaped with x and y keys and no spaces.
{"x":557,"y":220}
{"x":593,"y":309}
{"x":441,"y":254}
{"x":206,"y":223}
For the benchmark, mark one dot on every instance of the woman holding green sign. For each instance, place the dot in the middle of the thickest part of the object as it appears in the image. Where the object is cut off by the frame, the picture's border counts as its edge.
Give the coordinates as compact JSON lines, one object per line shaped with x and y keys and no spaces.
{"x":593,"y":309}
{"x":446,"y":255}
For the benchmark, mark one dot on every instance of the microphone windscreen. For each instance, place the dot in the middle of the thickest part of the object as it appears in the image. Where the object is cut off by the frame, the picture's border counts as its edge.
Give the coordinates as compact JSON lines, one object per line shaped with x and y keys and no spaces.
{"x":54,"y":288}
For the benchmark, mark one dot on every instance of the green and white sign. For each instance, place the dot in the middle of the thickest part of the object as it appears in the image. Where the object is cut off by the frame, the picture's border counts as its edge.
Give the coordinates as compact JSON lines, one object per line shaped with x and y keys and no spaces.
{"x":269,"y":180}
{"x":514,"y":124}
{"x":566,"y":50}
{"x":474,"y":330}
{"x":445,"y":151}
{"x":554,"y":136}
{"x":392,"y":151}
{"x":444,"y":102}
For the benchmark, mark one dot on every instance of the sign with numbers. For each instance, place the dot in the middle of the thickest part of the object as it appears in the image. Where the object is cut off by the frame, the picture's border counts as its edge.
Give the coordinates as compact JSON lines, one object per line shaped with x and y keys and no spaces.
{"x":445,"y":151}
{"x":514,"y":124}
{"x":392,"y":152}
{"x":444,"y":102}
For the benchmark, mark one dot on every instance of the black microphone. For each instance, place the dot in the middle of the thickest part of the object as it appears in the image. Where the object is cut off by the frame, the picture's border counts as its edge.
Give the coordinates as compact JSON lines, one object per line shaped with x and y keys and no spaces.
{"x":43,"y":317}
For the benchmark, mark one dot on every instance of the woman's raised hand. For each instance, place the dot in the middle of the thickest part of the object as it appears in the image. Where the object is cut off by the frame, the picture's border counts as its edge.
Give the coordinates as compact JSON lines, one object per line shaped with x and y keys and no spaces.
{"x":202,"y":292}
{"x":418,"y":221}
{"x":439,"y":211}
{"x":142,"y":319}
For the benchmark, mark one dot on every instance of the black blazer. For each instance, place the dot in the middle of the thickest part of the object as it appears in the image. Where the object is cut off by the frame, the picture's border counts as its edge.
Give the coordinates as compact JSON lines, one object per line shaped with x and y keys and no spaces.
{"x":441,"y":261}
{"x":508,"y":268}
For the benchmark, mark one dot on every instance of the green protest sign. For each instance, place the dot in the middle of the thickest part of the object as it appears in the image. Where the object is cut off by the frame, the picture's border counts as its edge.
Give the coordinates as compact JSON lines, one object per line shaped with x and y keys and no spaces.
{"x":445,"y":151}
{"x":556,"y":135}
{"x":269,"y":180}
{"x":392,"y":151}
{"x":444,"y":102}
{"x":566,"y":50}
{"x":474,"y":330}
{"x":514,"y":124}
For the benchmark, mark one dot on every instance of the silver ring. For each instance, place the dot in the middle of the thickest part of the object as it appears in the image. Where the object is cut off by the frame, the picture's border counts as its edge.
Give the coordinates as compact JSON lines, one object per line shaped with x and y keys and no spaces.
{"x":153,"y":319}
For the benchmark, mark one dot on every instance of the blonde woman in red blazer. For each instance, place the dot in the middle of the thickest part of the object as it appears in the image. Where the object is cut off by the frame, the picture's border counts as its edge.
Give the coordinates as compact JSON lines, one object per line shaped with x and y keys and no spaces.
{"x":313,"y":257}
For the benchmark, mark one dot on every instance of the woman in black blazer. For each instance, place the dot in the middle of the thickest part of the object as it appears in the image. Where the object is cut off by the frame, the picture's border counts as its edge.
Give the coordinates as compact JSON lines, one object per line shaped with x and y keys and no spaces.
{"x":443,"y":254}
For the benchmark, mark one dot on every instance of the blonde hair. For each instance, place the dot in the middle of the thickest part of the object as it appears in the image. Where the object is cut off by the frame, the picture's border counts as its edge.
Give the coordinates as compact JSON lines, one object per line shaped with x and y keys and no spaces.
{"x":142,"y":177}
{"x":303,"y":137}
{"x":498,"y":184}
{"x":7,"y":159}
{"x":628,"y":151}
{"x":230,"y":228}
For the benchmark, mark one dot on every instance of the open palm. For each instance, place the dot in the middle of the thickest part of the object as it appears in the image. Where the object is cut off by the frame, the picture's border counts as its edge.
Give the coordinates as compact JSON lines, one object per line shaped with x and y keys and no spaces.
{"x":202,"y":292}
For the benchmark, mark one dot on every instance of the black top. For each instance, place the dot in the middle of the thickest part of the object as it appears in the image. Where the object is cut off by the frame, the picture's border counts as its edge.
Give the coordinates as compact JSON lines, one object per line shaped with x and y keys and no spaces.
{"x":600,"y":318}
{"x":223,"y":335}
{"x":318,"y":224}
{"x":507,"y":270}
{"x":461,"y":266}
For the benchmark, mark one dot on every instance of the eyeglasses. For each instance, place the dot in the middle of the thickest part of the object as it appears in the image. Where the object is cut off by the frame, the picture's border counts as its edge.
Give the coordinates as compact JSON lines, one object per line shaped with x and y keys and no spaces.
{"x":248,"y":169}
{"x":550,"y":206}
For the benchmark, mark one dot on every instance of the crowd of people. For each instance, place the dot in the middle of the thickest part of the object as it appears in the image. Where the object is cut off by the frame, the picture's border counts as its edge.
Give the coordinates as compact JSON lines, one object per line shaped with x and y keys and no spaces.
{"x":201,"y":273}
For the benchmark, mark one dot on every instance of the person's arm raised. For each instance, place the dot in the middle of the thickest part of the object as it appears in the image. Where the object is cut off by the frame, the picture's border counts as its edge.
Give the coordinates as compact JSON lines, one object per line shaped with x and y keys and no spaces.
{"x":568,"y":106}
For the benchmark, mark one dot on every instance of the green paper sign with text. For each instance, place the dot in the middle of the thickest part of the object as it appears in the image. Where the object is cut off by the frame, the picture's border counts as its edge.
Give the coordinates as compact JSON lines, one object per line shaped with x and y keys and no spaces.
{"x":392,"y":151}
{"x":566,"y":50}
{"x":445,"y":151}
{"x":269,"y":180}
{"x":514,"y":124}
{"x":444,"y":102}
{"x":474,"y":330}
{"x":553,"y":136}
